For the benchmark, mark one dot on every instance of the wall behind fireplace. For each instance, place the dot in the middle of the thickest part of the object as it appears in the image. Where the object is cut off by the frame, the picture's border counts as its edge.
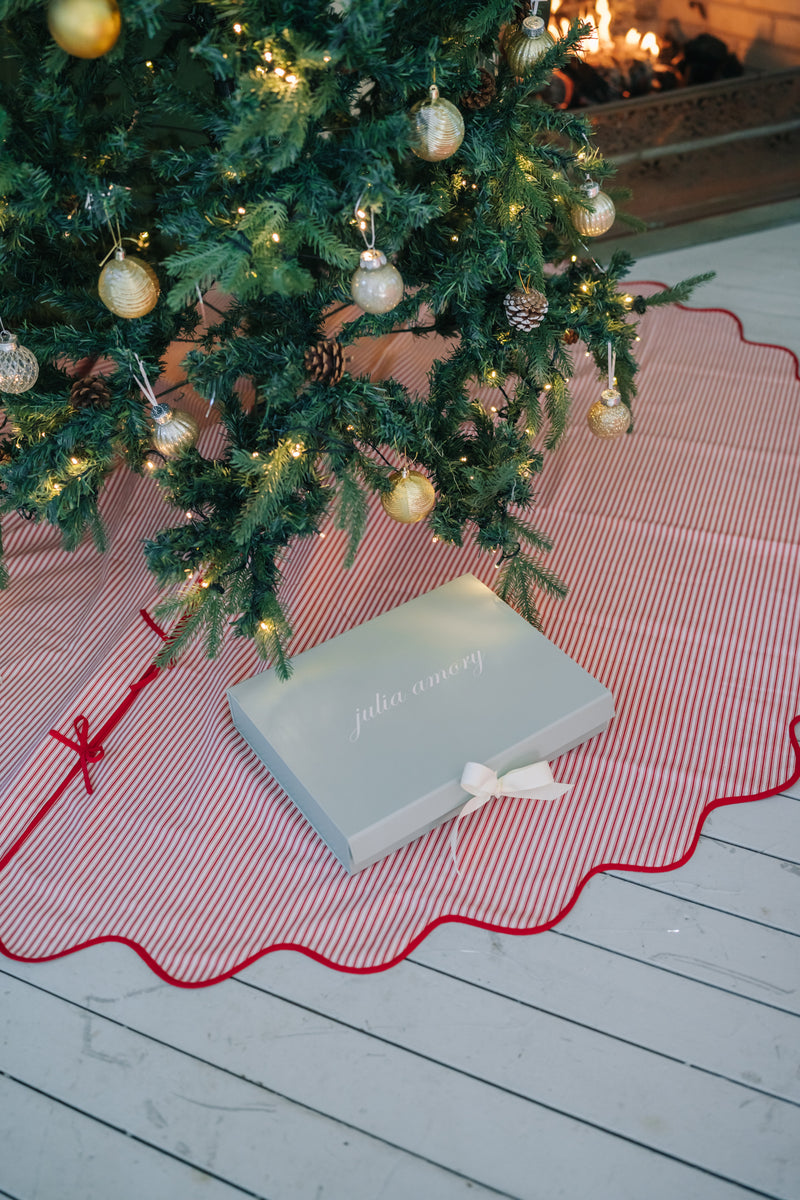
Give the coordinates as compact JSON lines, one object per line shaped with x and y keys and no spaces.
{"x":764,"y":34}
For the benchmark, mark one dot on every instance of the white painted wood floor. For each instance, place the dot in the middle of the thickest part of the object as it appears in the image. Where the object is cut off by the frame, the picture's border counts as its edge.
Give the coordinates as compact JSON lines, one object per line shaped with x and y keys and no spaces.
{"x":648,"y":1048}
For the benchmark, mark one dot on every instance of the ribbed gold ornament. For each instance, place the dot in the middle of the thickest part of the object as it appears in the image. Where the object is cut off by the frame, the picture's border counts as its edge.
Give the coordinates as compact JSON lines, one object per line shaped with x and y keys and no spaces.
{"x":437,"y":127}
{"x":84,"y":28}
{"x":525,"y":47}
{"x":609,"y":417}
{"x":128,"y":285}
{"x":19,"y":369}
{"x":175,"y":430}
{"x":376,"y":286}
{"x":599,"y":217}
{"x":411,"y":499}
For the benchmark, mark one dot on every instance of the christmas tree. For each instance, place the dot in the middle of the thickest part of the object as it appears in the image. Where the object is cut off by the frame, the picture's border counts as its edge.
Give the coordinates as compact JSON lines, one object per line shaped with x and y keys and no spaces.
{"x":296,"y":157}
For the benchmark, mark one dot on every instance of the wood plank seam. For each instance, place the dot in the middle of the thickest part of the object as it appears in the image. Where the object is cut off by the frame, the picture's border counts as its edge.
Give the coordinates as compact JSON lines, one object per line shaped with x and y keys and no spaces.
{"x":623,"y":876}
{"x":252,"y":1082}
{"x":528,"y":1099}
{"x":603,"y":1033}
{"x":721,"y":841}
{"x":668,"y":970}
{"x":133,"y":1136}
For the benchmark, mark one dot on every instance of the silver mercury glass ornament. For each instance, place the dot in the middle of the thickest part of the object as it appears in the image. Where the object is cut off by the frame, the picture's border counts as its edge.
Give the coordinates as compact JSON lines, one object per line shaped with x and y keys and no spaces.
{"x":437,"y":127}
{"x":376,"y":286}
{"x":175,"y":430}
{"x":598,"y":217}
{"x":527,"y":45}
{"x":19,"y":369}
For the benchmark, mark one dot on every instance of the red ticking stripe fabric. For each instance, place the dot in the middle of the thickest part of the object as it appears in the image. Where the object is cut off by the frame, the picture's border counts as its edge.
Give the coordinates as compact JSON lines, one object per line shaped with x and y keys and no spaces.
{"x":680,"y":546}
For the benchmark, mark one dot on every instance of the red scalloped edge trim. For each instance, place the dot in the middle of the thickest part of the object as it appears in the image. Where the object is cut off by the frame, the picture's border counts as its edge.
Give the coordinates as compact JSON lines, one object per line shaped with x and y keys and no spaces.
{"x":733,"y":317}
{"x":445,"y":919}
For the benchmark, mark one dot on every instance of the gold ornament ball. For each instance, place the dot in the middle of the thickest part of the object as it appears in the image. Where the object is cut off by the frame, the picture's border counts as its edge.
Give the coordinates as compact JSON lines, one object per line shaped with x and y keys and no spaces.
{"x":598,"y":217}
{"x":609,"y":417}
{"x":376,"y":286}
{"x":437,"y":128}
{"x":411,"y":499}
{"x":525,"y":47}
{"x":128,"y":286}
{"x":84,"y":28}
{"x":175,"y":430}
{"x":19,"y":369}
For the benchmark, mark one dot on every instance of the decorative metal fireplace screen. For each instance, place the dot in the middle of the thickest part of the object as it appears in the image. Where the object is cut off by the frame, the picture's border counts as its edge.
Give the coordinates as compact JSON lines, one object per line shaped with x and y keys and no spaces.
{"x":706,"y":150}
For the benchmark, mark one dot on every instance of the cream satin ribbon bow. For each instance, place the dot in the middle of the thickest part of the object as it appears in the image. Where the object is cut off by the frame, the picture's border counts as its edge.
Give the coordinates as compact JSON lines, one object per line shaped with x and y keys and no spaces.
{"x":534,"y":782}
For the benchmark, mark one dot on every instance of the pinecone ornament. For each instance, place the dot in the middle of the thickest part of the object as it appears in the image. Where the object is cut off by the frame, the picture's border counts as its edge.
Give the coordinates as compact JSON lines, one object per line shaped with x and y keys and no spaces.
{"x":90,"y":392}
{"x":483,"y":95}
{"x":569,"y":337}
{"x":525,"y":308}
{"x":639,"y":305}
{"x":324,"y":362}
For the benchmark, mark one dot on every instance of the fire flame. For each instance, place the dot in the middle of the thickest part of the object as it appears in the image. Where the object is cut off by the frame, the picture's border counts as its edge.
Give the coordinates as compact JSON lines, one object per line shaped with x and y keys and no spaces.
{"x":600,"y":41}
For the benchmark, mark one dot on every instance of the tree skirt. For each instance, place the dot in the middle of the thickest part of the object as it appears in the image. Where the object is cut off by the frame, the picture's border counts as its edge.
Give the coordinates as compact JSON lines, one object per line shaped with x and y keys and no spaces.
{"x":680,"y":547}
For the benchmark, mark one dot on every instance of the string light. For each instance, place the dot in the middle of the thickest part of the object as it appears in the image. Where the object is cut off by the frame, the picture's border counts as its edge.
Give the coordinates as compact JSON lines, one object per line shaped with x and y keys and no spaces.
{"x":241,"y":210}
{"x":237,"y":28}
{"x":297,"y":449}
{"x":280,"y":71}
{"x":276,"y":237}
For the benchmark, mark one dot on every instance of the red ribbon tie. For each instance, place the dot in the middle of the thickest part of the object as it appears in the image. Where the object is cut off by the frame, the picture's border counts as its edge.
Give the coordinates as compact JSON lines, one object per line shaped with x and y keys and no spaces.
{"x":86,"y":754}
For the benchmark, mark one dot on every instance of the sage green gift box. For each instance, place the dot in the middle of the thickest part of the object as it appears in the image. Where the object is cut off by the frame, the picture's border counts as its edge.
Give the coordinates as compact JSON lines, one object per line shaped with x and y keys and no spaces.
{"x":370,"y":735}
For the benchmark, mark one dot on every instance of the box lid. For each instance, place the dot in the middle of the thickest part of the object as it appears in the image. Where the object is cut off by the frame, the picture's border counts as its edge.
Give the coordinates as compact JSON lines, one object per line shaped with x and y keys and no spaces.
{"x":382,"y":718}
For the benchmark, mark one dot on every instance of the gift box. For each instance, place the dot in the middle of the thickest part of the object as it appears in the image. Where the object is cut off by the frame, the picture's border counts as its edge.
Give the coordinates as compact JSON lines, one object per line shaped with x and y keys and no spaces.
{"x":370,"y":735}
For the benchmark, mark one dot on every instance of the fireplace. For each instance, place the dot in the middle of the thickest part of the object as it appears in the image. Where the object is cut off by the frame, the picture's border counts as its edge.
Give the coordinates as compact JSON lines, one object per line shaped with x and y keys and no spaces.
{"x":696,"y":101}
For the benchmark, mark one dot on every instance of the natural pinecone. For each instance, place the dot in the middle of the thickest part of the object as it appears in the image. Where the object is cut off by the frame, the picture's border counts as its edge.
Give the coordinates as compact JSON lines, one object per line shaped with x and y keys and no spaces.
{"x":525,"y":308}
{"x":569,"y":337}
{"x":91,"y":391}
{"x":483,"y":95}
{"x":5,"y":453}
{"x":324,"y":362}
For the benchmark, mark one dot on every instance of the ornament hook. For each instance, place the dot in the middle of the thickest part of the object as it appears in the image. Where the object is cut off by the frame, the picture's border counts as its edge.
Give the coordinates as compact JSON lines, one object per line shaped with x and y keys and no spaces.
{"x":361,"y":218}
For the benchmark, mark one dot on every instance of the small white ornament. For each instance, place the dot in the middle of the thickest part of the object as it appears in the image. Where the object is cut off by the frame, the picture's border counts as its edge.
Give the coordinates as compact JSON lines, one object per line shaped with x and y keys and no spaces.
{"x":376,"y":286}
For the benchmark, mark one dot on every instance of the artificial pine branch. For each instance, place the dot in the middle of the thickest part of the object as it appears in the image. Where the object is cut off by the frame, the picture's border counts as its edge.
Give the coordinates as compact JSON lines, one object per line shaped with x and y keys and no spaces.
{"x":233,"y":145}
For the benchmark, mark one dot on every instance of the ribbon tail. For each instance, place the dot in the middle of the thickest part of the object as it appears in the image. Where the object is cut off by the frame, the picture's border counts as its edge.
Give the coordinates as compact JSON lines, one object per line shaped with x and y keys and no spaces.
{"x":534,"y":782}
{"x":471,"y":806}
